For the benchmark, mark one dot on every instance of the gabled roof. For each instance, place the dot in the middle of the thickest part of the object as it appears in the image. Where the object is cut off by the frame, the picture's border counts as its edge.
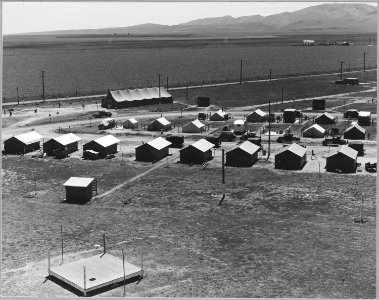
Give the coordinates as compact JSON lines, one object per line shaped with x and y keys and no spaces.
{"x":221,"y":113}
{"x":78,"y":181}
{"x":317,"y":127}
{"x":29,"y":137}
{"x":352,"y":109}
{"x":203,"y":145}
{"x":197,"y":123}
{"x":327,"y":115}
{"x":133,"y":121}
{"x":356,"y":126}
{"x":239,"y":122}
{"x":159,"y":143}
{"x":294,"y":148}
{"x":67,"y":139}
{"x":346,"y":150}
{"x":259,"y":112}
{"x":291,"y":109}
{"x":249,"y":147}
{"x":364,"y":114}
{"x":163,"y":121}
{"x":107,"y":140}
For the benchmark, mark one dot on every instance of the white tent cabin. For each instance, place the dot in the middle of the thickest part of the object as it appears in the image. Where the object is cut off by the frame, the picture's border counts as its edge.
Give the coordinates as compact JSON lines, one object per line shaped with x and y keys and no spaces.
{"x":257,"y":116}
{"x":314,"y":131}
{"x":130,"y":123}
{"x":240,"y":126}
{"x":193,"y":127}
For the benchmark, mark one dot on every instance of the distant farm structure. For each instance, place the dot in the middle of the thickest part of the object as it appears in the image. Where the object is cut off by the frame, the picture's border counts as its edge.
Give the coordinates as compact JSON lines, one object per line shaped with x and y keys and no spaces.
{"x":308,"y":42}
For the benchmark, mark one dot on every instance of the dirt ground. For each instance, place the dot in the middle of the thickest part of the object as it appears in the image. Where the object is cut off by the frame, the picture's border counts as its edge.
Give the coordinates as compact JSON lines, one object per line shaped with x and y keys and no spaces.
{"x":278,"y":234}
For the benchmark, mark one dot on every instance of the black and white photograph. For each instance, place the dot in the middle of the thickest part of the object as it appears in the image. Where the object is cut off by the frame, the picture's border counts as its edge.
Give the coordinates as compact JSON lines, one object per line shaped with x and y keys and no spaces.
{"x":189,"y":149}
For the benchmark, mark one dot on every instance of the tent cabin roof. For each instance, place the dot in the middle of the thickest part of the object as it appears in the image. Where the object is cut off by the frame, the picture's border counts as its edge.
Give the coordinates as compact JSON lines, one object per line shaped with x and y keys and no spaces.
{"x":259,"y":112}
{"x":357,"y":127}
{"x":29,"y":137}
{"x":159,"y":143}
{"x":107,"y":140}
{"x":132,"y":120}
{"x":328,"y":115}
{"x":291,"y":109}
{"x":221,"y":113}
{"x":203,"y":145}
{"x":239,"y":122}
{"x":294,"y":148}
{"x":197,"y":123}
{"x":317,"y":127}
{"x":364,"y":114}
{"x":79,"y":181}
{"x":67,"y":139}
{"x":249,"y":147}
{"x":346,"y":150}
{"x":163,"y":121}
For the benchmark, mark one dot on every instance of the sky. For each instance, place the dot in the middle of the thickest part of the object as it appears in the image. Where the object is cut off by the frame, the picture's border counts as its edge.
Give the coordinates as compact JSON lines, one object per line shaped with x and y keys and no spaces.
{"x":21,"y":17}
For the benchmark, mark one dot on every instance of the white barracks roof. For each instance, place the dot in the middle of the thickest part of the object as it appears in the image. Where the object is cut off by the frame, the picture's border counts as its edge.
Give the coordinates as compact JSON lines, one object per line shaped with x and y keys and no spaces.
{"x":294,"y":148}
{"x":133,"y":121}
{"x":78,"y":181}
{"x":239,"y":122}
{"x":203,"y":145}
{"x":67,"y":139}
{"x":249,"y":147}
{"x":139,"y":94}
{"x":357,"y":127}
{"x":317,"y":127}
{"x":197,"y":123}
{"x":260,"y":112}
{"x":107,"y":140}
{"x":221,"y":113}
{"x":163,"y":121}
{"x":159,"y":143}
{"x":346,"y":150}
{"x":29,"y":137}
{"x":364,"y":114}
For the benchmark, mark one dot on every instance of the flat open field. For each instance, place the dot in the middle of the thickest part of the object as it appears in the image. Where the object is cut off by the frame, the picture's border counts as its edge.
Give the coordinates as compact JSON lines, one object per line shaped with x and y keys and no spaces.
{"x":277,"y":234}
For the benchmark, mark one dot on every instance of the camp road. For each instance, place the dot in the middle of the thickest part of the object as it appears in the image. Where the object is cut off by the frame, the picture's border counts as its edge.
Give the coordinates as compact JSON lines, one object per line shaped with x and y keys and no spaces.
{"x":185,"y":87}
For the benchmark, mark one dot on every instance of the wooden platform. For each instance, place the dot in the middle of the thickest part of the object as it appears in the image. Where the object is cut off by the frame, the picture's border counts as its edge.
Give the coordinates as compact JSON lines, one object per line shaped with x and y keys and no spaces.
{"x":100,"y":271}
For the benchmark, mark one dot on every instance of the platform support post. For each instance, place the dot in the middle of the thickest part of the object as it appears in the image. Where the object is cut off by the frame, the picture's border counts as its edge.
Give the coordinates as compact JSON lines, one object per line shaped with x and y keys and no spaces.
{"x":62,"y":241}
{"x":48,"y":261}
{"x":105,"y":249}
{"x":123,"y":267}
{"x":142,"y":261}
{"x":84,"y":274}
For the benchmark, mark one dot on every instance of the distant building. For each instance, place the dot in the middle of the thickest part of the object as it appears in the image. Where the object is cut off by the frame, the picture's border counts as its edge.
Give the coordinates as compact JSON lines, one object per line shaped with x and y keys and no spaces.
{"x":355,"y":132}
{"x":199,"y":152}
{"x":289,"y":115}
{"x":79,"y":189}
{"x":66,"y":144}
{"x":153,"y":151}
{"x":159,"y":124}
{"x":364,"y":118}
{"x":105,"y":145}
{"x":318,"y":104}
{"x":291,"y":157}
{"x":136,"y":97}
{"x":240,"y":126}
{"x":344,"y":160}
{"x":351,"y":113}
{"x":23,"y":143}
{"x":193,"y":127}
{"x":219,"y":116}
{"x":130,"y":123}
{"x":203,"y":101}
{"x":315,"y":131}
{"x":257,"y":116}
{"x":308,"y":42}
{"x":245,"y":155}
{"x":325,"y":118}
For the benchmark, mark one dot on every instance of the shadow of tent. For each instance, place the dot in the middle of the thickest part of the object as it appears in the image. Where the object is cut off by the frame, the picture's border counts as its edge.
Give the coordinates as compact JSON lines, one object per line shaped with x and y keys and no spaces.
{"x":98,"y":291}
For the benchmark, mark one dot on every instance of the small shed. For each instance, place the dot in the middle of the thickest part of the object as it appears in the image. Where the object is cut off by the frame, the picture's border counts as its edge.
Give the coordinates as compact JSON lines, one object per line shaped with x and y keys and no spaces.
{"x":203,"y":101}
{"x":153,"y":151}
{"x":314,"y":131}
{"x":308,"y":42}
{"x":240,"y":126}
{"x":364,"y":118}
{"x":159,"y":124}
{"x":351,"y":81}
{"x":199,"y":152}
{"x":130,"y":123}
{"x":351,"y":113}
{"x":318,"y":104}
{"x":291,"y":157}
{"x":289,"y":115}
{"x":257,"y":116}
{"x":325,"y":118}
{"x":245,"y":155}
{"x":344,"y":160}
{"x":23,"y":143}
{"x":66,"y":143}
{"x":104,"y":145}
{"x":219,"y":115}
{"x":79,"y":189}
{"x":355,"y":132}
{"x":193,"y":127}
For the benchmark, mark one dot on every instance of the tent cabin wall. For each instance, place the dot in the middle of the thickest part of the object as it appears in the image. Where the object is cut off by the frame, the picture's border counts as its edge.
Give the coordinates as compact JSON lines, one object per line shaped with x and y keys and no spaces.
{"x":354,"y":134}
{"x":192,"y":128}
{"x":341,"y":162}
{"x":51,"y":145}
{"x":324,"y":120}
{"x":364,"y":121}
{"x":78,"y":194}
{"x":15,"y":146}
{"x":255,"y":118}
{"x":289,"y":116}
{"x":148,"y":153}
{"x":157,"y":126}
{"x":191,"y":154}
{"x":287,"y":160}
{"x":239,"y":158}
{"x":103,"y":151}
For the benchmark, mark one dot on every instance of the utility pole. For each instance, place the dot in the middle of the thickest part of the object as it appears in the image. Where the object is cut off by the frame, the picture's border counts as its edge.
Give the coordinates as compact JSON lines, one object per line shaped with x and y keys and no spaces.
{"x":269,"y":127}
{"x":167,"y":83}
{"x":223,"y":177}
{"x":364,"y":61}
{"x":342,"y":62}
{"x":270,"y":74}
{"x":18,"y":97}
{"x":187,"y":93}
{"x":43,"y":85}
{"x":282,"y":94}
{"x":241,"y":72}
{"x":159,"y":86}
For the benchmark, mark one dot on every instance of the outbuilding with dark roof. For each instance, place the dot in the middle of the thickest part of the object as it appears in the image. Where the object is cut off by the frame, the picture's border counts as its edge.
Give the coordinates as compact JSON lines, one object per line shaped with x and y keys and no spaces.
{"x":245,"y":155}
{"x":291,"y":157}
{"x":199,"y":152}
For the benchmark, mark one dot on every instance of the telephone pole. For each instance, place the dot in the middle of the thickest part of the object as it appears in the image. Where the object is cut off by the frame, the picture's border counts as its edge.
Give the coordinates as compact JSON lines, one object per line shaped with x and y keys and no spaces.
{"x":43,"y":85}
{"x":342,"y":62}
{"x":282,"y":94}
{"x":269,"y":128}
{"x":241,"y":72}
{"x":364,"y":61}
{"x":159,"y":86}
{"x":18,"y":97}
{"x":270,"y":74}
{"x":167,"y":83}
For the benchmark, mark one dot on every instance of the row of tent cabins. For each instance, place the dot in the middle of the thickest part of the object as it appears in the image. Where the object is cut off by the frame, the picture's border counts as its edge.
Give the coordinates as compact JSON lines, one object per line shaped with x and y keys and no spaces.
{"x":354,"y":132}
{"x":136,"y":97}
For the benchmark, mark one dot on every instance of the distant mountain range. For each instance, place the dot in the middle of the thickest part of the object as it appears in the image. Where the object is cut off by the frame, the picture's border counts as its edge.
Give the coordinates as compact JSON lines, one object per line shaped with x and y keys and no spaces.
{"x":324,"y":18}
